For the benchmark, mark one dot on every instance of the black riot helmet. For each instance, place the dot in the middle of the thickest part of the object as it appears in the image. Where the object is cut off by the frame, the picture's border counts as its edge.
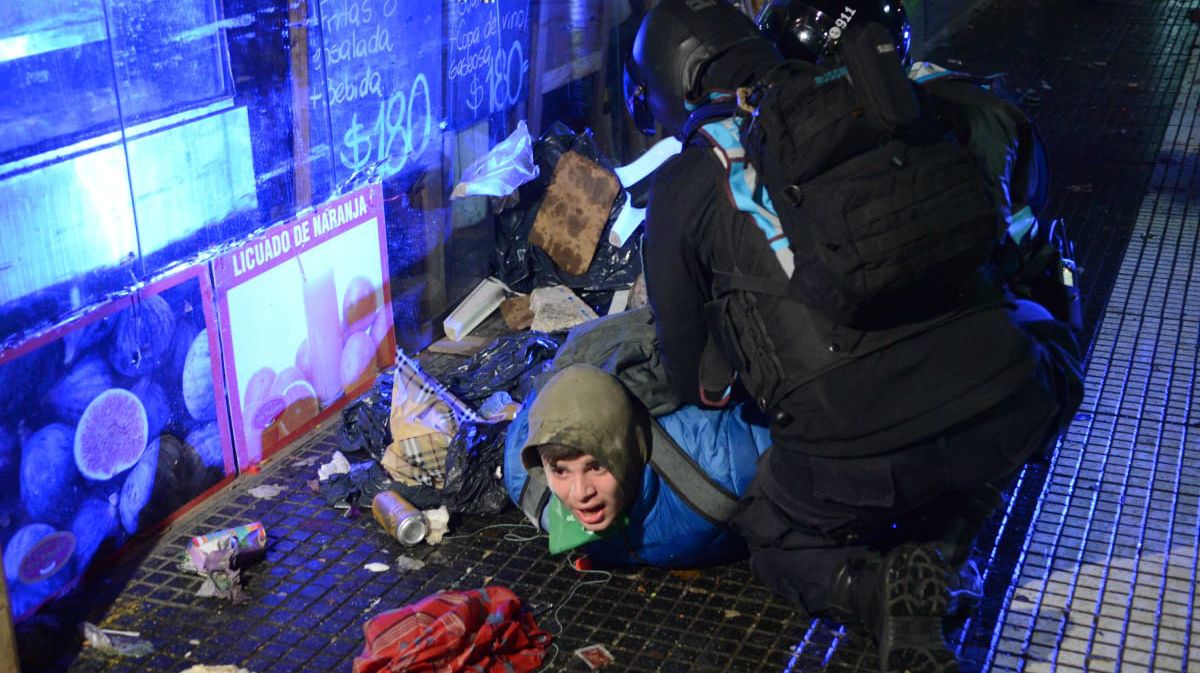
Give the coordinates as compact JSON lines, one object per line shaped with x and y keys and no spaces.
{"x":809,"y":29}
{"x":675,"y":45}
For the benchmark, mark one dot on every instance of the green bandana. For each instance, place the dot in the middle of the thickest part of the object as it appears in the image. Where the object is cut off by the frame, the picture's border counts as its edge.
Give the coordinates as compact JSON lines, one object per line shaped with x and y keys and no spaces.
{"x":567,"y":533}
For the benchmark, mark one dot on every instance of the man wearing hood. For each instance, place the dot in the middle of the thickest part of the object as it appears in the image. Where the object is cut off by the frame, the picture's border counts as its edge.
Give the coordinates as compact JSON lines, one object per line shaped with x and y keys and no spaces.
{"x":588,"y":464}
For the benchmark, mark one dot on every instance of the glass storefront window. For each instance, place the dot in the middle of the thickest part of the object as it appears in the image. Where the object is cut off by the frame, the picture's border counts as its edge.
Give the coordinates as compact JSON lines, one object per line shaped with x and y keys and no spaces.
{"x":141,"y":133}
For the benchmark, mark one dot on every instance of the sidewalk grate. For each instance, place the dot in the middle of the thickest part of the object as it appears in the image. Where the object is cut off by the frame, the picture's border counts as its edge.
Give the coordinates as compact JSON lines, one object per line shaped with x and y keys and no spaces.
{"x":1108,"y":572}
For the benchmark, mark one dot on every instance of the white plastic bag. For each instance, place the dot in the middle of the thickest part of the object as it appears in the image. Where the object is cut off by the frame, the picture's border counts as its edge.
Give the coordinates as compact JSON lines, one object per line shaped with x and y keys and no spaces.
{"x":505,"y":167}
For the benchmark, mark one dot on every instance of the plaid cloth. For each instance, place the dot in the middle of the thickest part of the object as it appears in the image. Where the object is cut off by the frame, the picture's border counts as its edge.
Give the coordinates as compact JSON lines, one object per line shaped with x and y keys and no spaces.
{"x":484,"y":630}
{"x":424,"y":418}
{"x":418,"y":460}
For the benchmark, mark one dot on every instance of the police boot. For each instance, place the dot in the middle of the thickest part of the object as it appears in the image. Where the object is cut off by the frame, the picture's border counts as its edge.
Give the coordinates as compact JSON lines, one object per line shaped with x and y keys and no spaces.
{"x":914,"y":592}
{"x":955,"y":535}
{"x":854,"y":594}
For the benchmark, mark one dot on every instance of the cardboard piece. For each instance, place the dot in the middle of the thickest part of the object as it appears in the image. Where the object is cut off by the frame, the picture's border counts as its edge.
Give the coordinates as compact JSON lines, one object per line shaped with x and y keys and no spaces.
{"x":558,"y":309}
{"x":466,"y":346}
{"x":574,"y":212}
{"x":517,"y":313}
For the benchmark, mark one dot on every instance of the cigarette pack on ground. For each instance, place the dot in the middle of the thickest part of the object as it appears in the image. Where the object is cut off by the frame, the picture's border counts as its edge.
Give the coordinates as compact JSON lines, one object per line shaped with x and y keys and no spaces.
{"x":574,"y":212}
{"x":596,"y":656}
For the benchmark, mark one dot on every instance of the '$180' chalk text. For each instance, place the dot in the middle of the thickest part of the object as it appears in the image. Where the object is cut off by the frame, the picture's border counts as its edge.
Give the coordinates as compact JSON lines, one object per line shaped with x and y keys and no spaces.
{"x":407,"y":118}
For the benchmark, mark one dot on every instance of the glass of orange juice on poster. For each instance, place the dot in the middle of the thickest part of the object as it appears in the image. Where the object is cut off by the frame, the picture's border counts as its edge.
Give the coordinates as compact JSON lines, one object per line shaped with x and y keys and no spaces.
{"x":324,"y":331}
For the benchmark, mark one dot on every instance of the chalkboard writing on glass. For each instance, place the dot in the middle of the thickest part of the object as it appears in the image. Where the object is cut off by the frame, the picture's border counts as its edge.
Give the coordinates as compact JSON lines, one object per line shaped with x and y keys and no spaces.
{"x":382,"y":63}
{"x":487,"y":68}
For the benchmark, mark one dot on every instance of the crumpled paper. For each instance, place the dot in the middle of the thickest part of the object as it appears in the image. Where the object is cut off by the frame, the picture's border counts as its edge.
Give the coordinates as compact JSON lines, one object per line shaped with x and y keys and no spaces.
{"x":338,"y":464}
{"x":499,"y":406}
{"x":217,"y":566}
{"x":223,"y":581}
{"x":266,"y":491}
{"x":408,"y":563}
{"x":438,"y":524}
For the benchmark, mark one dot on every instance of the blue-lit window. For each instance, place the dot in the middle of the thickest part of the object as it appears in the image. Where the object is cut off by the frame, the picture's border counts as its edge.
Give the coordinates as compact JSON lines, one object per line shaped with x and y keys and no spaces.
{"x":66,"y":81}
{"x":120,"y":145}
{"x":56,"y":70}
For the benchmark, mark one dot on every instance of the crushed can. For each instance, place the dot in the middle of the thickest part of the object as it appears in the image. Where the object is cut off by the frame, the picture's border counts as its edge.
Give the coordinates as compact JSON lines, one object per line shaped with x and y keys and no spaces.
{"x":250,"y":540}
{"x":399,"y":517}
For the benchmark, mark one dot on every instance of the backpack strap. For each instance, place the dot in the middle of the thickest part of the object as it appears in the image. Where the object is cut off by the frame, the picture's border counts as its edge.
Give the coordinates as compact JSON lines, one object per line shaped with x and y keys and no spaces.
{"x":706,"y":497}
{"x":535,"y":495}
{"x":721,"y":108}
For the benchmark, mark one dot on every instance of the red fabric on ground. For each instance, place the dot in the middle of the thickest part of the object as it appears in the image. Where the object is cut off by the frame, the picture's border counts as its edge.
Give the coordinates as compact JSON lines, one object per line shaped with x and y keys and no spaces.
{"x":484,"y":629}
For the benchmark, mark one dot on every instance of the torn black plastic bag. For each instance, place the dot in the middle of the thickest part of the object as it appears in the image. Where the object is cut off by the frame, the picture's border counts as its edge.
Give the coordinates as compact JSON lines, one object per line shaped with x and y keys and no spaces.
{"x":510,"y":363}
{"x":365,"y":427}
{"x":472,"y":486}
{"x":356,"y":488}
{"x":523,"y":266}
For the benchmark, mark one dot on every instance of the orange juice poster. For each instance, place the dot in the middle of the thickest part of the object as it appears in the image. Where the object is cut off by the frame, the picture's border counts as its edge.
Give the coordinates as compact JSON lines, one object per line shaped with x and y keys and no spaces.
{"x":306,"y":320}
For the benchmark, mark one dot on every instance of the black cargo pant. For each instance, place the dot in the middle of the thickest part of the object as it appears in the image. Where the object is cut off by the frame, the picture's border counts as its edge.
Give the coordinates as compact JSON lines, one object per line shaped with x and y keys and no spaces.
{"x":805,"y":517}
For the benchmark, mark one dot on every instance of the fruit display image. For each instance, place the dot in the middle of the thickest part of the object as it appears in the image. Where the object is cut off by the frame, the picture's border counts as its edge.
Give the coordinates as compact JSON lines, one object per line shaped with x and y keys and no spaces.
{"x":105,"y":429}
{"x":345,"y":343}
{"x":306,"y":329}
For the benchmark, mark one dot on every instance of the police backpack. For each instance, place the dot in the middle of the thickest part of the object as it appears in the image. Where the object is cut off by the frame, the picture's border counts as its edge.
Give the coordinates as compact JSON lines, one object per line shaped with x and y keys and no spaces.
{"x":881,"y":208}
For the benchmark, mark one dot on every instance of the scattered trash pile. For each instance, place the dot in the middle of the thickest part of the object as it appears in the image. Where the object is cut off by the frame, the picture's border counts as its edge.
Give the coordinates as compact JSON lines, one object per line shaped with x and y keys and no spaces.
{"x":219,"y":557}
{"x":417,"y":451}
{"x":422,"y":450}
{"x":565,"y":252}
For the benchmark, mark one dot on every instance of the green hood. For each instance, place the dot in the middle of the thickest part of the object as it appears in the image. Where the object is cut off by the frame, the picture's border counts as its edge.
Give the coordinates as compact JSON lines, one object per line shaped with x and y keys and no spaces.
{"x":586,"y":408}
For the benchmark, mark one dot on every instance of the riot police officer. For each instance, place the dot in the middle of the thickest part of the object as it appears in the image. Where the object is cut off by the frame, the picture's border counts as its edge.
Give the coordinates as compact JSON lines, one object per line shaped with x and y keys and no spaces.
{"x":915,"y":428}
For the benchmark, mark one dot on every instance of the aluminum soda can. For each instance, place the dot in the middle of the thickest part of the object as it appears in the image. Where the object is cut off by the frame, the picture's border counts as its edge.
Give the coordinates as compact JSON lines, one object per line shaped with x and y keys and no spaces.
{"x":250,"y":539}
{"x":399,"y":517}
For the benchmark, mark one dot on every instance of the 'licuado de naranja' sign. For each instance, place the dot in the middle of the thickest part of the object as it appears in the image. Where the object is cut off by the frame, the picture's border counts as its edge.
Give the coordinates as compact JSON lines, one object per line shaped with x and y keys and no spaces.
{"x":306,"y":320}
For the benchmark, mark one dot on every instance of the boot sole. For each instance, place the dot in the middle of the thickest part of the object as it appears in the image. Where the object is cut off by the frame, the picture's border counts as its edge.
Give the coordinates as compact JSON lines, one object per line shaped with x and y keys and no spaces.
{"x":916,"y":598}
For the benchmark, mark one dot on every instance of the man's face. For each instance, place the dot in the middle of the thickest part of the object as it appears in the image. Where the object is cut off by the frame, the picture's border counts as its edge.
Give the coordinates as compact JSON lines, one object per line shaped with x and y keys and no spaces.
{"x":589,"y":490}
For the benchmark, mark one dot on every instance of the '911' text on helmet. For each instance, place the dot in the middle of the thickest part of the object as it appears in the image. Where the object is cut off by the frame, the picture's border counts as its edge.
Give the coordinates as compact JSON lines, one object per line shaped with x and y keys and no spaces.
{"x":810,"y":29}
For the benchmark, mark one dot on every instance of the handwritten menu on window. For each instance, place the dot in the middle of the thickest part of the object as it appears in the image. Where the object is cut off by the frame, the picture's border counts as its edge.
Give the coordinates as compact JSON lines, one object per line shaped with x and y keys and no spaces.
{"x":487,"y":53}
{"x":382,"y":64}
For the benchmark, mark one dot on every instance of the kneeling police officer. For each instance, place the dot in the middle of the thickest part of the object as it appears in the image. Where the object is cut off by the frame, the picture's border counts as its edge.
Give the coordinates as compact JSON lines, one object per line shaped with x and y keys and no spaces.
{"x":892,"y":443}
